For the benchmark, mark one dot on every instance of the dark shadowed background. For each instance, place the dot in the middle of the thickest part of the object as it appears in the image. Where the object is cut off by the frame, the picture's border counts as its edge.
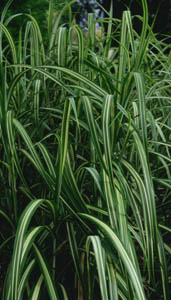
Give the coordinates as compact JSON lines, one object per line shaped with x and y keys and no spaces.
{"x":159,"y":9}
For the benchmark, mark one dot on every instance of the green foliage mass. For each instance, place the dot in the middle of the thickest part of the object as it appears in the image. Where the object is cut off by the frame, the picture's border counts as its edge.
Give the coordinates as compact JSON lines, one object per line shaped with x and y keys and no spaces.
{"x":85,"y":159}
{"x":36,"y":8}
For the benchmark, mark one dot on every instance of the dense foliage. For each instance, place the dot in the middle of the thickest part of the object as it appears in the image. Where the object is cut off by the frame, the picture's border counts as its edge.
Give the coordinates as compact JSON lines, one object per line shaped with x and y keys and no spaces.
{"x":85,"y":160}
{"x":36,"y":8}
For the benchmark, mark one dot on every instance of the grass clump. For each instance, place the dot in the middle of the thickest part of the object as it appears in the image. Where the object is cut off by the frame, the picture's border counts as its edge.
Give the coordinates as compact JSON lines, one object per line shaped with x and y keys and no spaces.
{"x":85,"y":160}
